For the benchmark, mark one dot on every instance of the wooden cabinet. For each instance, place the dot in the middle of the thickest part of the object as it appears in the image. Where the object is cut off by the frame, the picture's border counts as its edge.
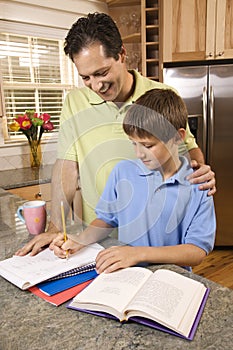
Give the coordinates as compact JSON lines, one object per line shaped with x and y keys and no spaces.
{"x":30,"y":193}
{"x":43,"y":192}
{"x":151,"y":39}
{"x":127,"y":15}
{"x":139,"y":23}
{"x":220,"y":22}
{"x":197,"y":30}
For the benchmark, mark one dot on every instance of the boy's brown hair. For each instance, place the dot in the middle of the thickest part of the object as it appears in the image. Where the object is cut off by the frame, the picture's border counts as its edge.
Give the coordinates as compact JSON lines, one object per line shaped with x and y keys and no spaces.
{"x":159,"y":113}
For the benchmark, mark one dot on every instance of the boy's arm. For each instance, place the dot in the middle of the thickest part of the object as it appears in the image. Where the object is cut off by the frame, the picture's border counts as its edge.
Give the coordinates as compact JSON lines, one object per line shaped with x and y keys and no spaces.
{"x":198,"y":241}
{"x":96,"y":231}
{"x":115,"y":258}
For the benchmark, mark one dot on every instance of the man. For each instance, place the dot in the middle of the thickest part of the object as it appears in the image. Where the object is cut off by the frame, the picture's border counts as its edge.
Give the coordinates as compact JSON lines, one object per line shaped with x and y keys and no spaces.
{"x":91,"y":137}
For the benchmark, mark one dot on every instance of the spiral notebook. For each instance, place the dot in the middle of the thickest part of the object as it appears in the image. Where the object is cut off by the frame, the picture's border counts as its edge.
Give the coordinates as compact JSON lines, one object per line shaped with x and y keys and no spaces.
{"x":74,"y":272}
{"x":26,"y":271}
{"x":61,"y":284}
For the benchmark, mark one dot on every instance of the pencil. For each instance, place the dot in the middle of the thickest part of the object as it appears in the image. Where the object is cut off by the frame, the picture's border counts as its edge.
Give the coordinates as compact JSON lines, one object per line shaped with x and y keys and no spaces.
{"x":64,"y":226}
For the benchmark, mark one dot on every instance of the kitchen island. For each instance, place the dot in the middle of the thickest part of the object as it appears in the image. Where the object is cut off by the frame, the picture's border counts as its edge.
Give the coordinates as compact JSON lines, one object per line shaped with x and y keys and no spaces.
{"x":30,"y":323}
{"x":25,"y":177}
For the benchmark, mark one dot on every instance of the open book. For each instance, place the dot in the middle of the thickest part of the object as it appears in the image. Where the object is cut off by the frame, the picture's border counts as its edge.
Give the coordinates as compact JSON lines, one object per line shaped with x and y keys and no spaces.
{"x":26,"y":271}
{"x":164,"y":299}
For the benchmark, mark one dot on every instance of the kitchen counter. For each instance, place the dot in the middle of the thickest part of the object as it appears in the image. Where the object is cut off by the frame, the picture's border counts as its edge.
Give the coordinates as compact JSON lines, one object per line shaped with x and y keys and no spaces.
{"x":30,"y":323}
{"x":25,"y":177}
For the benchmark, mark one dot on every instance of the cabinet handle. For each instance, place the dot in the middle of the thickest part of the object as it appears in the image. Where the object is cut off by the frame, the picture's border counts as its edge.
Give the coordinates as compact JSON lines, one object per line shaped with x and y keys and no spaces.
{"x":210,"y":54}
{"x":221,"y":53}
{"x":38,"y":195}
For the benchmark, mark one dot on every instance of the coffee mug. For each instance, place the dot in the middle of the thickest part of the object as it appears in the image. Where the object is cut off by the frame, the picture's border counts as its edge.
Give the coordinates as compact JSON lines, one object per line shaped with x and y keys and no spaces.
{"x":33,"y":214}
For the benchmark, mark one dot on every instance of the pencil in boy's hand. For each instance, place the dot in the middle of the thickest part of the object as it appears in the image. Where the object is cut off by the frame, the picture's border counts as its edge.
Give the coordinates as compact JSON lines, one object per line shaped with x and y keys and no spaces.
{"x":64,"y":226}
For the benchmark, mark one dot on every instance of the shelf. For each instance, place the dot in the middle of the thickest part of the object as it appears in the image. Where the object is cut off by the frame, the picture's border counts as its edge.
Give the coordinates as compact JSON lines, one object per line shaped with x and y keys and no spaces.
{"x":151,"y":9}
{"x":132,"y":38}
{"x":151,"y":60}
{"x":153,"y":77}
{"x":152,"y":43}
{"x":122,"y":2}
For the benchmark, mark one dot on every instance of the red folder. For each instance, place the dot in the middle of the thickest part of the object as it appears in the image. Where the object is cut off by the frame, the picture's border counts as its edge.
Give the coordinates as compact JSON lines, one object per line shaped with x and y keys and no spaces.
{"x":61,"y":297}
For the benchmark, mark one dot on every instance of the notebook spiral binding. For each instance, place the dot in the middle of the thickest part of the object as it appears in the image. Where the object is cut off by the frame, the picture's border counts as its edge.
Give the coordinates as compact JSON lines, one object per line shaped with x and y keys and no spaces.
{"x":75,"y":271}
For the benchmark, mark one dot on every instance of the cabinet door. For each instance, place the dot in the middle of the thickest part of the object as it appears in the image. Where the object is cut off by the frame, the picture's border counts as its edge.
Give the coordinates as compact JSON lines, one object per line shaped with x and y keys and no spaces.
{"x":127,"y":16}
{"x":184,"y":30}
{"x":224,"y":29}
{"x":43,"y":191}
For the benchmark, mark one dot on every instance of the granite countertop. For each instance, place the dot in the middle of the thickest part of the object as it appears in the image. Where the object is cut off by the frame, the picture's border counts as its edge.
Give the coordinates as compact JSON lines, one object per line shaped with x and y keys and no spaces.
{"x":30,"y":323}
{"x":25,"y":177}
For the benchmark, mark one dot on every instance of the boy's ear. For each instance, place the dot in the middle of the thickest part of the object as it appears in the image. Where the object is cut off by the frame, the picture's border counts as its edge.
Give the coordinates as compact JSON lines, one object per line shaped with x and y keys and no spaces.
{"x":180,"y":136}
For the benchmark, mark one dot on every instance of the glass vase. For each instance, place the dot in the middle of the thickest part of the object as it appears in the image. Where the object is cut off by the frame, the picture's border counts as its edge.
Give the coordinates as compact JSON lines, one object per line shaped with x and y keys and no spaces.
{"x":35,"y":154}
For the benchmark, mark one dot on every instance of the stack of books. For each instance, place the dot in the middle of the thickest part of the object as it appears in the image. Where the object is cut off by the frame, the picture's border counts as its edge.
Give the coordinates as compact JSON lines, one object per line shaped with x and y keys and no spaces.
{"x":49,"y":277}
{"x":163,"y":300}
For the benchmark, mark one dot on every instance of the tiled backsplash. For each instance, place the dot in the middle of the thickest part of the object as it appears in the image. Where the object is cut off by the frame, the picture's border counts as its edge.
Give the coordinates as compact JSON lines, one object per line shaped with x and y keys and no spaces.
{"x":18,"y":156}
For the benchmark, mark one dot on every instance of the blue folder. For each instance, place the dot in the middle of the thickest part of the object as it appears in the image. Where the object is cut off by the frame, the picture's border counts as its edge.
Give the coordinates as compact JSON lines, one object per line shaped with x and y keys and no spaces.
{"x":56,"y":286}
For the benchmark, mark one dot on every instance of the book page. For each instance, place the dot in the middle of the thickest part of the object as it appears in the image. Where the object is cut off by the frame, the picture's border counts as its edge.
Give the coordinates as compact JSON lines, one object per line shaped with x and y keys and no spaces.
{"x":25,"y":271}
{"x":113,"y":291}
{"x":166,"y":297}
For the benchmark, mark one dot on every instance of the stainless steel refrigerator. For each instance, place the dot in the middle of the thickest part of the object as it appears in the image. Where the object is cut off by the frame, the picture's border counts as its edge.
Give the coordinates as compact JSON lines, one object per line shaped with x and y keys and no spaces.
{"x":208,"y":94}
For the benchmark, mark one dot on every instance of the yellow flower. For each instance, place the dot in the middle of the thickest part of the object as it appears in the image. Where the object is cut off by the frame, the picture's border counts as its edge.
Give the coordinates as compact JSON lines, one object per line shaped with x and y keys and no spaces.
{"x":26,"y":124}
{"x":14,"y":126}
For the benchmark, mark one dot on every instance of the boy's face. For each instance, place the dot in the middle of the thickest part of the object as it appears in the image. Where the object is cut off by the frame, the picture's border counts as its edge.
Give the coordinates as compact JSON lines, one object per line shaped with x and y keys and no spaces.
{"x":102,"y":74}
{"x":154,"y":153}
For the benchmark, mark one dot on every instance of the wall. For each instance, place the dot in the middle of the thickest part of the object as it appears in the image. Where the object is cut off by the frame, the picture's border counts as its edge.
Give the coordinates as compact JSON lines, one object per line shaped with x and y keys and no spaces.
{"x":46,"y":14}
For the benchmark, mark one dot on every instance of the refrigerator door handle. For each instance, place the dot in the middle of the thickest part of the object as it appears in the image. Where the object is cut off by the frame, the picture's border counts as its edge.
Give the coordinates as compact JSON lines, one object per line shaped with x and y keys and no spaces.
{"x":204,"y":130}
{"x":211,"y":128}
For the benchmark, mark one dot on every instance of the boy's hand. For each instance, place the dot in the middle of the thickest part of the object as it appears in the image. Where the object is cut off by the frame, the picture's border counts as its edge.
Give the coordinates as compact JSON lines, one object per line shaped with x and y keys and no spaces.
{"x":115,"y":258}
{"x":60,"y":247}
{"x":203,"y":175}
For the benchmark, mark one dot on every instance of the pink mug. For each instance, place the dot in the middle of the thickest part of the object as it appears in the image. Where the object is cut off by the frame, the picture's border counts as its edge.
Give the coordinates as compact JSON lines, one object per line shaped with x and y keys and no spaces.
{"x":33,"y":214}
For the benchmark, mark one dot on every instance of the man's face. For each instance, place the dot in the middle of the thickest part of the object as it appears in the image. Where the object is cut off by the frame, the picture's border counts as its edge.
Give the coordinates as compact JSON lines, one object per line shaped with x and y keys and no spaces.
{"x":102,"y":74}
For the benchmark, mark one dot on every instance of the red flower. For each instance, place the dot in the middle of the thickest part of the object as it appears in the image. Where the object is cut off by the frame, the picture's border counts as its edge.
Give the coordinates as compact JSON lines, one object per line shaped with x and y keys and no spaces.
{"x":45,"y":117}
{"x":24,"y":122}
{"x":48,"y":126}
{"x":32,"y":125}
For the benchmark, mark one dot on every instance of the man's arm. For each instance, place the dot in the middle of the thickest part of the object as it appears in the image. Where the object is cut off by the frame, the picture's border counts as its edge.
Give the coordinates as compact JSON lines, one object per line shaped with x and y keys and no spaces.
{"x":64,"y":182}
{"x":64,"y":185}
{"x":197,"y":155}
{"x":203,"y":173}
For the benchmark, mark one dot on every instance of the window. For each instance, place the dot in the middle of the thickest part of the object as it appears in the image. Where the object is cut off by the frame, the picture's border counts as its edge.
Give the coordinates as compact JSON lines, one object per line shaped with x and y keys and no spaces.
{"x":36,"y":75}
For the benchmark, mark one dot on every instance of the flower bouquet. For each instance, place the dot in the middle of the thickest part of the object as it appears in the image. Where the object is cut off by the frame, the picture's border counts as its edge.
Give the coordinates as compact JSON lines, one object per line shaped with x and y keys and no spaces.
{"x":33,"y":127}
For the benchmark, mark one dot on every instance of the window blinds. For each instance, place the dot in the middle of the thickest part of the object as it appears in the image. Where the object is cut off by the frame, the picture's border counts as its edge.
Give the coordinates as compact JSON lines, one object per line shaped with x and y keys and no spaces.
{"x":36,"y":74}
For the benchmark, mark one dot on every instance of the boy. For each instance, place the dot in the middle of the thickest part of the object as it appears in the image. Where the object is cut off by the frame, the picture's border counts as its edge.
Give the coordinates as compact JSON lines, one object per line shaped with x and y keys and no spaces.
{"x":159,"y":215}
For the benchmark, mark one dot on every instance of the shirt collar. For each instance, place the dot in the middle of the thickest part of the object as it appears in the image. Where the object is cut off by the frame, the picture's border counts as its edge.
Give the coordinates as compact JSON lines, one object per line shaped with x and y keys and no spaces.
{"x":93,"y":98}
{"x":179,"y":176}
{"x":139,"y":85}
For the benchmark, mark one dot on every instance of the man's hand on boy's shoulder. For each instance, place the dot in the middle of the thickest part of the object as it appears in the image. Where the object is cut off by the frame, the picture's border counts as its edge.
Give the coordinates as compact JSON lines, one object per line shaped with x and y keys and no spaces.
{"x":204,"y":175}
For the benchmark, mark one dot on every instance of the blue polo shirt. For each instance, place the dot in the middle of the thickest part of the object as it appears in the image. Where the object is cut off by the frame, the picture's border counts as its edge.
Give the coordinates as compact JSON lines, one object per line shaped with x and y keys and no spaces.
{"x":91,"y":134}
{"x":149,"y":211}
